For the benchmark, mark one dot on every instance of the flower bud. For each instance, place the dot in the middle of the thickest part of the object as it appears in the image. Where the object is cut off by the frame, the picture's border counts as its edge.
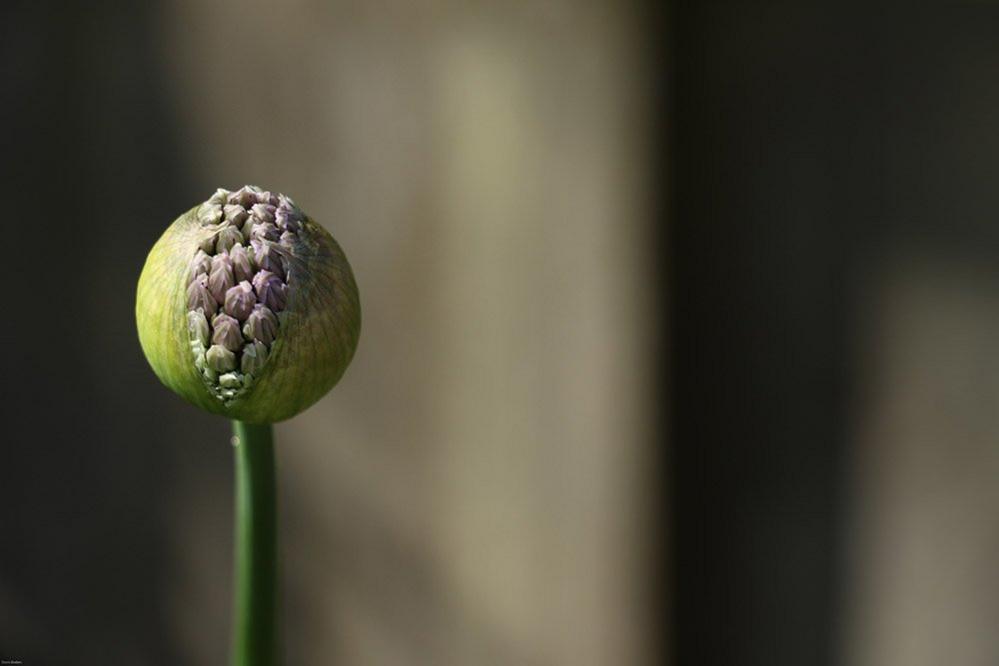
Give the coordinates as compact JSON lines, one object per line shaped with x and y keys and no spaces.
{"x":261,"y":325}
{"x":210,"y":213}
{"x":239,"y":301}
{"x":243,"y":264}
{"x":271,"y":291}
{"x":287,"y":218}
{"x":262,"y":231}
{"x":197,"y":327}
{"x":263,"y":212}
{"x":254,"y":357}
{"x":235,"y":214}
{"x":228,"y":236}
{"x":226,"y":332}
{"x":231,"y":380}
{"x":201,"y":263}
{"x":248,"y":308}
{"x":220,"y":359}
{"x":268,"y":258}
{"x":243,"y":197}
{"x":207,"y":244}
{"x":220,"y":280}
{"x":198,"y":296}
{"x":198,"y":349}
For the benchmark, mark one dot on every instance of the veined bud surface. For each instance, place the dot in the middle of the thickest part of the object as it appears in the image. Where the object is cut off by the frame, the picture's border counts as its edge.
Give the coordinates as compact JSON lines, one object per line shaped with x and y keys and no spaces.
{"x":247,"y":307}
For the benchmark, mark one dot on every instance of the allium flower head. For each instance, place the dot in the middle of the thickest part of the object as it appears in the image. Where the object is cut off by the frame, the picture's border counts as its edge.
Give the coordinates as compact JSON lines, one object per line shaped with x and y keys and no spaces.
{"x":247,"y":307}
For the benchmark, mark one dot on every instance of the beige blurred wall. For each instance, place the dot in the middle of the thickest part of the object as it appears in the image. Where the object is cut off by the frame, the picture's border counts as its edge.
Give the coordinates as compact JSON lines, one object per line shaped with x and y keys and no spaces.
{"x":476,"y":490}
{"x":923,"y":534}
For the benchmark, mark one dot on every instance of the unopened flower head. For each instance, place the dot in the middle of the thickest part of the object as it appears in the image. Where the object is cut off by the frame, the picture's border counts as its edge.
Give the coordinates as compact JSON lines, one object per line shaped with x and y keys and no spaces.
{"x":247,"y":307}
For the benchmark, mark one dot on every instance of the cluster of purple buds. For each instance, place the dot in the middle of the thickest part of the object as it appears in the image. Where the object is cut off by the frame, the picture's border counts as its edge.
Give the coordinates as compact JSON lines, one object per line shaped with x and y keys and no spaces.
{"x":239,"y":284}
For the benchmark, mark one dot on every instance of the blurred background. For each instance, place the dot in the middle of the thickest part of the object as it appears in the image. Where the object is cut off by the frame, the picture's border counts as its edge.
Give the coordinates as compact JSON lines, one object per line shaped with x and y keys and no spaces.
{"x":678,"y":330}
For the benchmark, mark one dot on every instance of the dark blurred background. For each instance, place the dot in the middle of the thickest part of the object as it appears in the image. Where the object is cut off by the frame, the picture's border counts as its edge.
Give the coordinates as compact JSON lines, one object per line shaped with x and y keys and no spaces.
{"x":834,"y":274}
{"x":737,"y":257}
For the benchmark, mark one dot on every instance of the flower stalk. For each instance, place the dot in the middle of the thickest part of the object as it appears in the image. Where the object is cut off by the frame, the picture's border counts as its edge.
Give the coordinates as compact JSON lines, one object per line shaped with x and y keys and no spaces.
{"x":255,"y":607}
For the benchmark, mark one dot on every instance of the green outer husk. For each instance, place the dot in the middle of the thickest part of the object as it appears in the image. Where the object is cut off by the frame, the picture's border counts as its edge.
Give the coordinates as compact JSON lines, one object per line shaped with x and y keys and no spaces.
{"x":319,"y":329}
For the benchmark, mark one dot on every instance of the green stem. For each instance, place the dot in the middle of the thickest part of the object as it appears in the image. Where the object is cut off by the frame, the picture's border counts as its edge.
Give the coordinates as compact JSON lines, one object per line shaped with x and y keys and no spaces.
{"x":255,"y":613}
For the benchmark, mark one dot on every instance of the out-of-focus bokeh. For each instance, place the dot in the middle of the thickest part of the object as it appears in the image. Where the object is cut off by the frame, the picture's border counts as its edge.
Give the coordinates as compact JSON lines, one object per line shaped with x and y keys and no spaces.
{"x":480,"y":487}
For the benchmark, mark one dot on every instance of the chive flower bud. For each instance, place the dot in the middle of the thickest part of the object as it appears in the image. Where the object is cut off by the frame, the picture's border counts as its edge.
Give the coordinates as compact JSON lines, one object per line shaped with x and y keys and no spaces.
{"x":239,"y":301}
{"x":263,"y":212}
{"x":220,"y":359}
{"x":227,"y":237}
{"x":243,"y":265}
{"x":220,"y":279}
{"x":271,"y":291}
{"x":288,"y":219}
{"x":261,"y":231}
{"x":225,"y":332}
{"x":209,"y":213}
{"x":254,"y":357}
{"x":244,"y":197}
{"x":267,"y":256}
{"x":198,"y":295}
{"x":201,"y":263}
{"x":247,"y":307}
{"x":261,"y":325}
{"x":235,"y":214}
{"x":197,"y":327}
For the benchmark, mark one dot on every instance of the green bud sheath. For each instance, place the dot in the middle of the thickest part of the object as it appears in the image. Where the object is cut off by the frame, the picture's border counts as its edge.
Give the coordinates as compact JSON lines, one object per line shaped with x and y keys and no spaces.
{"x":300,"y":277}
